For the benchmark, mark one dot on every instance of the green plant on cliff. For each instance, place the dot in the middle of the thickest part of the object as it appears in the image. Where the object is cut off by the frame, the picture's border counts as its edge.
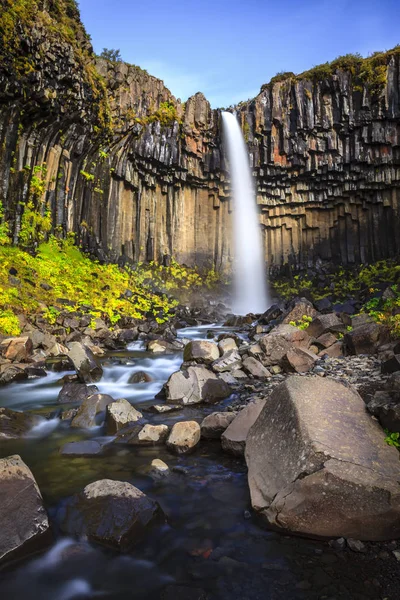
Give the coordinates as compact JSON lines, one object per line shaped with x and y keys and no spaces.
{"x":303,"y":323}
{"x":392,"y":439}
{"x":166,"y":114}
{"x":111,"y":55}
{"x":4,"y":228}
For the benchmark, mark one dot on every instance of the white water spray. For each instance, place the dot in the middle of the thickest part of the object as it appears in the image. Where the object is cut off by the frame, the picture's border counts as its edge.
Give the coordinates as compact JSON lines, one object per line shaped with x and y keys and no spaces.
{"x":251,"y":293}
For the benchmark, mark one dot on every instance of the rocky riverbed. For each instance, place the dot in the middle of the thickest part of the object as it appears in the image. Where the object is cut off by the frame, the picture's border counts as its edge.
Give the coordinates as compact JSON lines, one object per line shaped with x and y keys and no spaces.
{"x":139,"y":448}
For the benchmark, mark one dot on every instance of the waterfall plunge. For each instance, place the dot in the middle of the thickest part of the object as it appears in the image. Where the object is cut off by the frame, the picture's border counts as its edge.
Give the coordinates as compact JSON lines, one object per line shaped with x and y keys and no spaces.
{"x":251,"y":293}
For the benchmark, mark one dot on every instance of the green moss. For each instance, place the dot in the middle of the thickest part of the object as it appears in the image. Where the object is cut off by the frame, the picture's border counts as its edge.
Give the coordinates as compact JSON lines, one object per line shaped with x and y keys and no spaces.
{"x":370,"y":72}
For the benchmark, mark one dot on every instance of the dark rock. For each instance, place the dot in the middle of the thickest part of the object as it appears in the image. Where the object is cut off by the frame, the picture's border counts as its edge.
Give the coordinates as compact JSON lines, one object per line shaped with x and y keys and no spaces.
{"x":84,"y":448}
{"x":111,"y":513}
{"x":324,"y":324}
{"x":365,"y":339}
{"x":324,"y":305}
{"x":92,"y":411}
{"x":386,"y":409}
{"x":214,"y":425}
{"x":75,"y":392}
{"x":24,"y":524}
{"x":273,"y":313}
{"x":14,"y":424}
{"x":85,"y":363}
{"x":11,"y":373}
{"x":140,"y":377}
{"x":392,"y":365}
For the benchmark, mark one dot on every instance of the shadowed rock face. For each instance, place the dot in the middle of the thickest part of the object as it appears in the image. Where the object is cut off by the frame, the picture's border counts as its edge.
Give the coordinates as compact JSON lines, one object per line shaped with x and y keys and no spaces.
{"x":23,"y":520}
{"x":324,"y":154}
{"x":318,"y":463}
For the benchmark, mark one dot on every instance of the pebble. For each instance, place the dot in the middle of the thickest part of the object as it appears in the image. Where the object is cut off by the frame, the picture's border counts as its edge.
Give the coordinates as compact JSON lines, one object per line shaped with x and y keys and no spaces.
{"x":356,"y":545}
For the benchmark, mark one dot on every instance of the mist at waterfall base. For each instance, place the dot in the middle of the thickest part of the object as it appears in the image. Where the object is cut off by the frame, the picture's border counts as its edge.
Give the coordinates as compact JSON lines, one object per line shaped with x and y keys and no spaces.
{"x":250,"y":279}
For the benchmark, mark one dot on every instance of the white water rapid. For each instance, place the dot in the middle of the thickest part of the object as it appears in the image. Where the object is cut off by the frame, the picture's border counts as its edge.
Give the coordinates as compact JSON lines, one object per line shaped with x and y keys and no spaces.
{"x":251,"y":293}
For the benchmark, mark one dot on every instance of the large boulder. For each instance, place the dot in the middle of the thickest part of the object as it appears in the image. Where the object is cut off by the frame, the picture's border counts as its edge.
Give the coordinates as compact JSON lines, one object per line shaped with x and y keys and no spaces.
{"x":387,"y":410}
{"x":194,"y":385}
{"x":319,"y":465}
{"x":85,"y":363}
{"x":15,"y":424}
{"x":24,"y":526}
{"x":276,"y":344}
{"x":18,"y":349}
{"x":91,"y":413}
{"x":184,"y":437}
{"x":366,"y":339}
{"x":233,"y":439}
{"x":149,"y":435}
{"x":299,"y":309}
{"x":301,"y":360}
{"x":214,"y":425}
{"x":111,"y":513}
{"x":324,"y":324}
{"x":201,"y":351}
{"x":120,"y":414}
{"x":75,"y":392}
{"x":10,"y":373}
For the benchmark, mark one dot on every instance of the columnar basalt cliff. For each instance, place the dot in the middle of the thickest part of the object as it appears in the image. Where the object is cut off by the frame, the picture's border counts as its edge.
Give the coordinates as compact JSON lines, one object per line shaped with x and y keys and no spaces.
{"x":104,"y":150}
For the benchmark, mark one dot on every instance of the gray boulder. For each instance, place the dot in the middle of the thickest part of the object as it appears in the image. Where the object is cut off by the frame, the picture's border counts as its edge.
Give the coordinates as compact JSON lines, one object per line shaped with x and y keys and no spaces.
{"x":230,"y":361}
{"x":201,"y":351}
{"x":111,"y":513}
{"x":92,"y":411}
{"x":318,"y":464}
{"x":276,"y":344}
{"x":255,"y":368}
{"x":214,"y":425}
{"x":121,"y":413}
{"x":184,"y":437}
{"x":75,"y":392}
{"x":24,"y":524}
{"x":366,"y":339}
{"x":387,"y":410}
{"x":194,"y":385}
{"x":85,"y":363}
{"x":233,"y":439}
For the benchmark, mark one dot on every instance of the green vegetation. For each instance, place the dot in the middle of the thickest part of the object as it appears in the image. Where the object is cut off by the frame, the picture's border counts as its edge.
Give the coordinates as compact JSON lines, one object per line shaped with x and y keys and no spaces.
{"x":100,"y":289}
{"x":369,"y":72}
{"x":4,"y":228}
{"x":166,"y":114}
{"x":392,"y":439}
{"x":111,"y":55}
{"x":362,"y":283}
{"x":303,"y":323}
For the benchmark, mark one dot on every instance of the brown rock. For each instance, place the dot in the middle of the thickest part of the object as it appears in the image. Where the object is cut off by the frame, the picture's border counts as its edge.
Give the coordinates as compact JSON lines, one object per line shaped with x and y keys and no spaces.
{"x":302,"y":307}
{"x":276,"y":344}
{"x":14,"y":424}
{"x":318,"y":464}
{"x":213,"y":426}
{"x":301,"y":359}
{"x":92,"y":410}
{"x":334,"y":351}
{"x":85,"y":363}
{"x":24,"y":526}
{"x":150,"y":435}
{"x":184,"y":437}
{"x":324,"y":324}
{"x":366,"y":339}
{"x":201,"y":351}
{"x":234,"y":437}
{"x":255,"y":368}
{"x":17,"y":349}
{"x":326,"y":339}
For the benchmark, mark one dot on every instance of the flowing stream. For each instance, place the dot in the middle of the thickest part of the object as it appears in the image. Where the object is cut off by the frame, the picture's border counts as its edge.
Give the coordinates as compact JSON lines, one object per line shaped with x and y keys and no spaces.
{"x":251,"y":294}
{"x":210,"y":547}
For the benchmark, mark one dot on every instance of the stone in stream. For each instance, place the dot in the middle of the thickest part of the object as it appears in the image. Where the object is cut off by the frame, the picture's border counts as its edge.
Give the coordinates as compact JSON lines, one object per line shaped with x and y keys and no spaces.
{"x":319,"y":465}
{"x":10,"y":373}
{"x":201,"y":351}
{"x":194,"y":385}
{"x":111,"y":513}
{"x":164,"y":408}
{"x":121,"y":413}
{"x":83,"y":448}
{"x":184,"y":437}
{"x":230,"y":361}
{"x":75,"y":392}
{"x":214,"y":425}
{"x":158,"y":469}
{"x":255,"y":368}
{"x":15,"y":424}
{"x":92,"y":410}
{"x":24,"y":525}
{"x":233,"y":439}
{"x":150,"y":435}
{"x":85,"y":363}
{"x":140,"y":377}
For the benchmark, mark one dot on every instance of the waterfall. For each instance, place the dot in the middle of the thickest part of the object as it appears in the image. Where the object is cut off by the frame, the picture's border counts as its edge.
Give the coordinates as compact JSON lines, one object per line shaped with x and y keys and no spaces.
{"x":250,"y":279}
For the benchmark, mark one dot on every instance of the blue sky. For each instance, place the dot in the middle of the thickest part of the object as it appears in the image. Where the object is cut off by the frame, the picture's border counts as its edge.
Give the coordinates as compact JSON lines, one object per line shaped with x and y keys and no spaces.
{"x":228,"y":49}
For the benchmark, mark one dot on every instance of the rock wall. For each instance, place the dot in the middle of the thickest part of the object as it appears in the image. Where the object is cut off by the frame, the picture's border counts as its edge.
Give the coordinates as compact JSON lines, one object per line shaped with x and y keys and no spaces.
{"x":138,"y":175}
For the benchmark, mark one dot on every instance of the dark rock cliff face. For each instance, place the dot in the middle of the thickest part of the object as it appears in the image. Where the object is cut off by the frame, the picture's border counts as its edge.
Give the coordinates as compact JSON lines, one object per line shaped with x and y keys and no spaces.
{"x":325,"y":156}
